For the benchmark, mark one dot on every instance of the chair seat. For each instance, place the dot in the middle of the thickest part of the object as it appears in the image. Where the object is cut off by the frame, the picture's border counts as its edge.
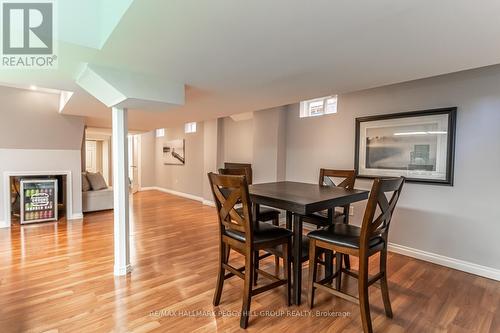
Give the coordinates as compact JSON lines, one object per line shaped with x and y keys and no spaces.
{"x":264,"y":233}
{"x":344,"y":235}
{"x":321,"y":218}
{"x":265,"y":213}
{"x":304,"y":253}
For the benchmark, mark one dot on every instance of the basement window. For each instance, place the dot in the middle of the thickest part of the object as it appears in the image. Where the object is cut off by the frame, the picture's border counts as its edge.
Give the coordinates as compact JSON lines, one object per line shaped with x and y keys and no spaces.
{"x":318,"y":106}
{"x":190,"y":127}
{"x":160,"y":132}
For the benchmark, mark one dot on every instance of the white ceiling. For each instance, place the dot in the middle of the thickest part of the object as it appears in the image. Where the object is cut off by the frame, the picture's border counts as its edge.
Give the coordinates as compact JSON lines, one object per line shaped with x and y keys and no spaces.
{"x":239,"y":55}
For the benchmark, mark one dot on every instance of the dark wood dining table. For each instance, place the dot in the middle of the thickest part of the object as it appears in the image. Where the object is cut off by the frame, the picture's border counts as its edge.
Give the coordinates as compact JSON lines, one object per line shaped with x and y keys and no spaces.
{"x":300,"y":199}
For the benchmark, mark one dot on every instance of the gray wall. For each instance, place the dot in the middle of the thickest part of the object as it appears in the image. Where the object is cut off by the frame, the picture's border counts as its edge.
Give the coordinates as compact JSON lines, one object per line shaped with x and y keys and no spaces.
{"x":186,"y":178}
{"x":211,"y":147}
{"x":238,"y":140}
{"x":35,"y":137}
{"x":269,"y":145}
{"x":30,"y":121}
{"x":203,"y":155}
{"x":260,"y":141}
{"x":461,"y":222}
{"x":148,"y":145}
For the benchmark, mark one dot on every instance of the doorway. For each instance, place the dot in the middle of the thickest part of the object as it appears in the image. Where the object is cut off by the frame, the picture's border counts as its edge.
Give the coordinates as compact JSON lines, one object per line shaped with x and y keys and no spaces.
{"x":134,"y":152}
{"x":98,"y":156}
{"x":91,"y":156}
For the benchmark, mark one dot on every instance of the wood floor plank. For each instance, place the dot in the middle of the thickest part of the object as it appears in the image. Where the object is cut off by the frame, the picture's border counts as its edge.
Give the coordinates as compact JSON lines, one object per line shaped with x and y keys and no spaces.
{"x":58,"y":277}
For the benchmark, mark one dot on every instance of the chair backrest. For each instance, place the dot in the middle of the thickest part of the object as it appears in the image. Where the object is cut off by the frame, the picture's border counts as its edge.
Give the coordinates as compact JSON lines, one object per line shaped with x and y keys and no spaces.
{"x":228,"y":191}
{"x":326,"y":177}
{"x":246,"y":166}
{"x":234,"y":172}
{"x":377,"y":202}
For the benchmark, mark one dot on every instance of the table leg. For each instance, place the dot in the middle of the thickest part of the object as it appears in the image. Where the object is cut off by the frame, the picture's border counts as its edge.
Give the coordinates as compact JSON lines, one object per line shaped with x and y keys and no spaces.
{"x":328,"y":253}
{"x":297,"y":265}
{"x":255,"y":214}
{"x":346,"y":221}
{"x":331,"y":211}
{"x":289,"y":220}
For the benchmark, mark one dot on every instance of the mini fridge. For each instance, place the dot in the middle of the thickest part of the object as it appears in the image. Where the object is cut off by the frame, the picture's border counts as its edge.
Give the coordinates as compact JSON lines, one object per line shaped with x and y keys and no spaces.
{"x":38,"y":200}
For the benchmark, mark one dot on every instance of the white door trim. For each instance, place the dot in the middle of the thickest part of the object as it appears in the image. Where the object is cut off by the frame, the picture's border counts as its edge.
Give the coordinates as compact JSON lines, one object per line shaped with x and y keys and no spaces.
{"x":139,"y":162}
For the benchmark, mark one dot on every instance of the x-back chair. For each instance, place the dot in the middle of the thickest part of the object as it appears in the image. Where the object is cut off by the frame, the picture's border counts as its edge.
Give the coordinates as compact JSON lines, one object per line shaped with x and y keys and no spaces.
{"x":239,"y":232}
{"x":265,"y":213}
{"x":362,"y":242}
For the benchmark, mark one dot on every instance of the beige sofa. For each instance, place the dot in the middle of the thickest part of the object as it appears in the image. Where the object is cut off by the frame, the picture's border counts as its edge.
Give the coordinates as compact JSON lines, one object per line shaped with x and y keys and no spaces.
{"x":96,"y":194}
{"x":97,"y":200}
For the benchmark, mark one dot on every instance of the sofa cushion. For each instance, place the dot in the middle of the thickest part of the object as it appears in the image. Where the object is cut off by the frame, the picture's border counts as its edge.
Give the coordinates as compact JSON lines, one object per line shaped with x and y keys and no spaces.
{"x":96,"y":181}
{"x":97,"y":200}
{"x":85,"y":183}
{"x":100,"y":194}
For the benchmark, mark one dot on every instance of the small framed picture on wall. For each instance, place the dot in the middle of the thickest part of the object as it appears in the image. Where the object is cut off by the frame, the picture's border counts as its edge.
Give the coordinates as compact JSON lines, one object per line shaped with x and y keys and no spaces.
{"x":419,"y":145}
{"x":174,"y":152}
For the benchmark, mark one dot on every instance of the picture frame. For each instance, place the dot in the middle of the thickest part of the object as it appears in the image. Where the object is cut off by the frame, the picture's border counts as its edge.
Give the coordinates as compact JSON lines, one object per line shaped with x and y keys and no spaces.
{"x":419,"y":145}
{"x":173,"y":152}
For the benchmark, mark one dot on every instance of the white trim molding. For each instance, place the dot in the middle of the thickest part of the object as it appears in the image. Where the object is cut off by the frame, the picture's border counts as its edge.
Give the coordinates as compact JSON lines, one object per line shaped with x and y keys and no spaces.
{"x":77,"y":216}
{"x":148,"y":188}
{"x":6,"y":192}
{"x":208,"y":203}
{"x":177,"y":193}
{"x":121,"y":271}
{"x":461,"y":265}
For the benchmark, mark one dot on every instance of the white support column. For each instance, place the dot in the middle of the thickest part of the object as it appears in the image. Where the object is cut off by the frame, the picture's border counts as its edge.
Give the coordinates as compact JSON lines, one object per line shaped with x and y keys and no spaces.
{"x":121,"y":192}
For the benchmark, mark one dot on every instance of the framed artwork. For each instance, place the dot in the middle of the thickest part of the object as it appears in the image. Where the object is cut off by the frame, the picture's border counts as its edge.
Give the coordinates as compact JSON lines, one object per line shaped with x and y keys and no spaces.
{"x":419,"y":145}
{"x":173,"y":152}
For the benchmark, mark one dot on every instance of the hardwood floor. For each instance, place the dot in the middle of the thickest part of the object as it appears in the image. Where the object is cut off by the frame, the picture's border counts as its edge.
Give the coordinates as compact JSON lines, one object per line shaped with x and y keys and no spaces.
{"x":58,"y":277}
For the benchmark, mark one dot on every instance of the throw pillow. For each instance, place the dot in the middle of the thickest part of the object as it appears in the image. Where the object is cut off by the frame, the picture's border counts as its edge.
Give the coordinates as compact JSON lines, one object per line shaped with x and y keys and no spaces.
{"x":85,"y":182}
{"x":96,"y":181}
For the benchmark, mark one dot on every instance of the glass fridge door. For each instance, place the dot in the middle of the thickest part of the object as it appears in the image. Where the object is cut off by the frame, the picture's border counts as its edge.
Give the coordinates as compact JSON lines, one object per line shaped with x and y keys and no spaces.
{"x":38,"y":200}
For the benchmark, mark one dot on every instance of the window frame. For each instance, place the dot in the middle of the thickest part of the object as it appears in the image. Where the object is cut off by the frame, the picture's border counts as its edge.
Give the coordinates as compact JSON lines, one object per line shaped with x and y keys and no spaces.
{"x":190,"y":127}
{"x":160,"y":133}
{"x":305,"y":106}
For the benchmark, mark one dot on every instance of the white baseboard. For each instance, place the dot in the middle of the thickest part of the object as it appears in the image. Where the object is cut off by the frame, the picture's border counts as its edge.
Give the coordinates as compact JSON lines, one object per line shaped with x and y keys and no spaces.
{"x":121,"y":271}
{"x":148,"y":188}
{"x":177,"y":193}
{"x":180,"y":194}
{"x":488,"y":272}
{"x":208,"y":203}
{"x":76,"y":216}
{"x":3,"y":224}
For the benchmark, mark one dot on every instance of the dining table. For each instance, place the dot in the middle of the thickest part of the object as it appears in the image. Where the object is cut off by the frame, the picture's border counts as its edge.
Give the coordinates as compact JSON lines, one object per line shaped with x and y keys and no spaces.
{"x":298,"y":199}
